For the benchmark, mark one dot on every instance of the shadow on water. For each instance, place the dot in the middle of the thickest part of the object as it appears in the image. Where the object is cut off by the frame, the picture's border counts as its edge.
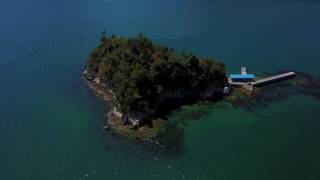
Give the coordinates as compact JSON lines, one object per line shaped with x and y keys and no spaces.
{"x":302,"y":84}
{"x":198,"y":111}
{"x":168,"y":144}
{"x":170,"y":140}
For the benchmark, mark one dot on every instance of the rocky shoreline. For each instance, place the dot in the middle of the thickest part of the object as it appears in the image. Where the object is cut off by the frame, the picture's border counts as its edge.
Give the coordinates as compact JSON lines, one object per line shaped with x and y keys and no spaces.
{"x":114,"y":120}
{"x":131,"y":128}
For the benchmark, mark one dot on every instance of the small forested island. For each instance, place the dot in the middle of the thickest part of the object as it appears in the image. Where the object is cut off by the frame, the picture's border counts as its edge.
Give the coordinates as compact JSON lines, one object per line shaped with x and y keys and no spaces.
{"x":144,"y":81}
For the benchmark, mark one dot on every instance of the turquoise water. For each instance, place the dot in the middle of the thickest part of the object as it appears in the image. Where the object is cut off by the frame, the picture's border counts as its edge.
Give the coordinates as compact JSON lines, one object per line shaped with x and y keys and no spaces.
{"x":50,"y":122}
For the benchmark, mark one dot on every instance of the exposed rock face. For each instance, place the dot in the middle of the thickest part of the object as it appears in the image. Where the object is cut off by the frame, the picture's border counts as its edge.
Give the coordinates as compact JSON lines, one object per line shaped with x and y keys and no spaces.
{"x":116,"y":113}
{"x":97,"y":80}
{"x":101,"y":90}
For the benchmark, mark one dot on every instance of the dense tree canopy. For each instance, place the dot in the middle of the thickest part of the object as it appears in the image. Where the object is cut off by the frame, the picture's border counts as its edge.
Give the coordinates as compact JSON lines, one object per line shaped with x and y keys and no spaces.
{"x":144,"y":76}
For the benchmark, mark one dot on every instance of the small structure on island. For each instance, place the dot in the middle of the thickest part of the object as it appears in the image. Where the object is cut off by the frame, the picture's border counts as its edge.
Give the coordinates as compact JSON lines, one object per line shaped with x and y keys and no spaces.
{"x":243,"y":77}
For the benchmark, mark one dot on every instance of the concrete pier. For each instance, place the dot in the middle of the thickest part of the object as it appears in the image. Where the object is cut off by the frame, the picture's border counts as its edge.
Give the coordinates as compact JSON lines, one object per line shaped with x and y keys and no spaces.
{"x":273,"y":79}
{"x":262,"y":82}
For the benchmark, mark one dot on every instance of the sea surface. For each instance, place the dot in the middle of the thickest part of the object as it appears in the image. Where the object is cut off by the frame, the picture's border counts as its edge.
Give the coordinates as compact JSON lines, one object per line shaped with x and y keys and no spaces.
{"x":50,"y":122}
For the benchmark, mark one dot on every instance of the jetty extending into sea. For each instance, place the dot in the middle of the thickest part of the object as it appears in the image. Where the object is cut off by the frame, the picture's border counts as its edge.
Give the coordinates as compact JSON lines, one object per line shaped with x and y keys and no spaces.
{"x":272,"y":79}
{"x":249,"y":82}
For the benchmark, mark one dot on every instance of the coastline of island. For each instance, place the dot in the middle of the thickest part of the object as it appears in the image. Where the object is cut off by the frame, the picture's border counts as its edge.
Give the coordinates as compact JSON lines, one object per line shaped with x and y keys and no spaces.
{"x":145,"y":81}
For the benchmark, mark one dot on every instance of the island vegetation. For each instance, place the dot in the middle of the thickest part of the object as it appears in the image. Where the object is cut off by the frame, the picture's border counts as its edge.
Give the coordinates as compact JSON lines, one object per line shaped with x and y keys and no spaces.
{"x":146,"y":80}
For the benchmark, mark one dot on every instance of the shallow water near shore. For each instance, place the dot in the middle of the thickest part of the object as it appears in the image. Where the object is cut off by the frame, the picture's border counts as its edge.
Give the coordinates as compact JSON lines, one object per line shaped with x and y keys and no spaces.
{"x":50,"y":121}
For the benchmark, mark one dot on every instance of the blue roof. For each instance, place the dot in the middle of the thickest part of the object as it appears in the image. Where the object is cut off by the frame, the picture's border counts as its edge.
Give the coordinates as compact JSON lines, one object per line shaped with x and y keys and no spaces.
{"x":242,"y":76}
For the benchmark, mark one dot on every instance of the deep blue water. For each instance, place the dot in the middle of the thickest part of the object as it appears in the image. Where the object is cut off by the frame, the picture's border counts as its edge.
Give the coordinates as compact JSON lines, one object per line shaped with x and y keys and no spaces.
{"x":50,"y":121}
